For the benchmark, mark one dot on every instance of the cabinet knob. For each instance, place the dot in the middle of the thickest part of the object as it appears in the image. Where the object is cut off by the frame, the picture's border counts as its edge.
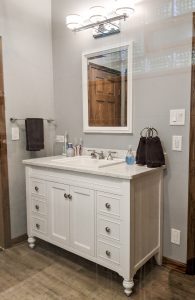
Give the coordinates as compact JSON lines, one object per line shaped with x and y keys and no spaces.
{"x":37,"y":207}
{"x":37,"y":226}
{"x":36,"y":188}
{"x":108,"y":205}
{"x":69,"y":196}
{"x":108,"y":253}
{"x":107,"y":229}
{"x":65,"y":196}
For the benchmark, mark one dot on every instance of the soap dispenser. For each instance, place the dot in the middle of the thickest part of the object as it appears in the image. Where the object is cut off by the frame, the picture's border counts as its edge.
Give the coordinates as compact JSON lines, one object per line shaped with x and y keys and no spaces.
{"x":130,"y":159}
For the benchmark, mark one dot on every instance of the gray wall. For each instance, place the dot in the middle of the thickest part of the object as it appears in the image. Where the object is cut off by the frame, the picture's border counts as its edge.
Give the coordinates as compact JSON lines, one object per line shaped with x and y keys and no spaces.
{"x":28,"y":74}
{"x":161,"y":81}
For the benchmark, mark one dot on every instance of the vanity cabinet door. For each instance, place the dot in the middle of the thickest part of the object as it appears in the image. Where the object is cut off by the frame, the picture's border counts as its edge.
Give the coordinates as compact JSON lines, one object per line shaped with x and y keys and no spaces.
{"x":59,"y":213}
{"x":82,"y":220}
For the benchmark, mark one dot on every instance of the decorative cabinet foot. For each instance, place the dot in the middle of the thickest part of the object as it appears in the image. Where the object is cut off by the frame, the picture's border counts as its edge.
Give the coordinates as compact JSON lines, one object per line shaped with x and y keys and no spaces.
{"x":128,"y":286}
{"x":31,"y":242}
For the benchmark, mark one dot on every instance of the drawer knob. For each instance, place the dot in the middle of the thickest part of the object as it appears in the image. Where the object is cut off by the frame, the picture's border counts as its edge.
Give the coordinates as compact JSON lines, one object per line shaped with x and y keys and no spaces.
{"x":37,"y":207}
{"x":107,"y":229}
{"x":37,"y":226}
{"x":69,"y":196}
{"x":108,"y":205}
{"x":108,"y":253}
{"x":65,"y":196}
{"x":36,"y":188}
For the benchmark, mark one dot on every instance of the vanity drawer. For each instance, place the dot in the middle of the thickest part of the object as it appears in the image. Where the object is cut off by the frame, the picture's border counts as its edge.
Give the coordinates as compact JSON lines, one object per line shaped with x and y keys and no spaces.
{"x":109,"y":229}
{"x":109,"y":252}
{"x":39,"y":207}
{"x":38,"y":187}
{"x":108,"y":203}
{"x":39,"y":225}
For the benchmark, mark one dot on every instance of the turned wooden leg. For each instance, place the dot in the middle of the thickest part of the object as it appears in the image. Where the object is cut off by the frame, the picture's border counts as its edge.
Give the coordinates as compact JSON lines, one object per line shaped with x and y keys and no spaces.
{"x":31,"y":242}
{"x":128,"y":286}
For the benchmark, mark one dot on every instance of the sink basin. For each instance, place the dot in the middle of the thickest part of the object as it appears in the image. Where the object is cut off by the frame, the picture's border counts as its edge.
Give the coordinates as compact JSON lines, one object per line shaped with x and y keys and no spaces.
{"x":86,"y":162}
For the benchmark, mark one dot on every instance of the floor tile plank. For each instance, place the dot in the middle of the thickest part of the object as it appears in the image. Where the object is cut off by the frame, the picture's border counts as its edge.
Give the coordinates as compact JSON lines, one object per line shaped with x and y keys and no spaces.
{"x":48,"y":272}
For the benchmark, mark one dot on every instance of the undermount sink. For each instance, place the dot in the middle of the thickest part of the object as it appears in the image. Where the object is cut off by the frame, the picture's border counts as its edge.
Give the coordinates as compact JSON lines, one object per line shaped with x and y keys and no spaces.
{"x":86,"y":162}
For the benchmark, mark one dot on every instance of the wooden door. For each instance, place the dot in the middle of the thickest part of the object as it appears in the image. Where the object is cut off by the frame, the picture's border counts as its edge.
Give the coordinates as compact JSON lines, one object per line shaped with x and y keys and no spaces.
{"x":104,"y":96}
{"x":59,"y":211}
{"x":82,"y":220}
{"x":5,"y":236}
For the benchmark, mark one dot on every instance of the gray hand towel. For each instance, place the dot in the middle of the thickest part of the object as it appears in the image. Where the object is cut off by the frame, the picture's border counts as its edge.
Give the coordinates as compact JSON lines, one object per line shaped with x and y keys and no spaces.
{"x":34,"y":134}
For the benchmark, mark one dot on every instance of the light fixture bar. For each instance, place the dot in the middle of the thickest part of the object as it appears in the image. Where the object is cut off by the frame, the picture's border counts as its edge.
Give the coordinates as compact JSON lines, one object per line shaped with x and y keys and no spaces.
{"x":114,"y":25}
{"x":110,"y":20}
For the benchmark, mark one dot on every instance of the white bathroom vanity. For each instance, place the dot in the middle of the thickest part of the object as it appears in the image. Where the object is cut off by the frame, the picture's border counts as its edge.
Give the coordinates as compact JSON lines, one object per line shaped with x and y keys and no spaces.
{"x":110,"y":214}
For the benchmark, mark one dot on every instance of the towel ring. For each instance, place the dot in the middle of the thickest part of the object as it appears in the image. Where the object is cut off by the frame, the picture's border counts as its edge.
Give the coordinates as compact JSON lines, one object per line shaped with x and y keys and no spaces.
{"x":141,"y":133}
{"x":154,"y":131}
{"x":150,"y":131}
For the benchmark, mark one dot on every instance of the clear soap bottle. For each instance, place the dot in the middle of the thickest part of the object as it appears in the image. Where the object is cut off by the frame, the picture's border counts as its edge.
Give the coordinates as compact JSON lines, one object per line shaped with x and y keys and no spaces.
{"x":130,"y":159}
{"x":70,"y":150}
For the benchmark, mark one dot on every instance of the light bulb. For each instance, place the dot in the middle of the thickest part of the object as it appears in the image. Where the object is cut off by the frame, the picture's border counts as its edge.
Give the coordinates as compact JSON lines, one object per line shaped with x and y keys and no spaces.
{"x":125,"y":7}
{"x":73,"y":21}
{"x":97,"y":14}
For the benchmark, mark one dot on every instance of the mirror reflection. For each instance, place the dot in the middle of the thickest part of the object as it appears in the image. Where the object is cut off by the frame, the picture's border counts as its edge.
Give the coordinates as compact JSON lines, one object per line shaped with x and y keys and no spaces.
{"x":107,"y":89}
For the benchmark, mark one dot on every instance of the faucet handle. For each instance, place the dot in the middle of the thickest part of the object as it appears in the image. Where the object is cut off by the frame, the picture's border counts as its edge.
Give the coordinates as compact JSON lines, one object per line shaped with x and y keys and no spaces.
{"x":93,"y":153}
{"x":110,"y":157}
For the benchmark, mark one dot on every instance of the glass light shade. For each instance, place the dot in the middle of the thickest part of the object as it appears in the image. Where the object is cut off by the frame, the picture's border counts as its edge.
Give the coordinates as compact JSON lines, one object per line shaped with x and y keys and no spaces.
{"x":125,"y":7}
{"x":97,"y":14}
{"x":73,"y":21}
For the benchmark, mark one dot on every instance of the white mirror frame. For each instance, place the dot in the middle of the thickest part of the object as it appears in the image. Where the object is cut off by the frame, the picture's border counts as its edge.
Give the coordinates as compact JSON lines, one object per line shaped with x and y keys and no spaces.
{"x":85,"y":56}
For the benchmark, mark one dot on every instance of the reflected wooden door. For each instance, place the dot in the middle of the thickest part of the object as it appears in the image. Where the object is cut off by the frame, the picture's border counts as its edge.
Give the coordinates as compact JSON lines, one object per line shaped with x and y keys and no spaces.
{"x":5,"y":238}
{"x":104,"y":96}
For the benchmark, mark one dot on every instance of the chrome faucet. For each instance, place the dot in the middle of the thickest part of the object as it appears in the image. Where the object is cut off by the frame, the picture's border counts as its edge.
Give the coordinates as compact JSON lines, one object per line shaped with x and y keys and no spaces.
{"x":94,"y":154}
{"x":101,"y":155}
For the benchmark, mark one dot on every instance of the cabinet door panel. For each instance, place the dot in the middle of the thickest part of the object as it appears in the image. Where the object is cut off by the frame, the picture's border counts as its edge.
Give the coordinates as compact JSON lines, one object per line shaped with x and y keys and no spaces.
{"x":59,"y":211}
{"x":82,"y":220}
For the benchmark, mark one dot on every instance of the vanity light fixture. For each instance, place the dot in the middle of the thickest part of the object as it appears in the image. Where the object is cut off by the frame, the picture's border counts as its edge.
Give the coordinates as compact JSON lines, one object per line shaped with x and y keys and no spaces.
{"x":104,"y":23}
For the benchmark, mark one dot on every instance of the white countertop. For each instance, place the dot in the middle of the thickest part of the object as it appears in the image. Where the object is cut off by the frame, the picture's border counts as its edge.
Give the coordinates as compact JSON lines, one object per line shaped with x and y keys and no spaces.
{"x":121,"y":170}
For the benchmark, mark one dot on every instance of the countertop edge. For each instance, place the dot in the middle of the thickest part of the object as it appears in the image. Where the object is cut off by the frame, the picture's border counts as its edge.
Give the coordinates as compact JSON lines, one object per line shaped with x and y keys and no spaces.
{"x":89,"y":171}
{"x":71,"y":169}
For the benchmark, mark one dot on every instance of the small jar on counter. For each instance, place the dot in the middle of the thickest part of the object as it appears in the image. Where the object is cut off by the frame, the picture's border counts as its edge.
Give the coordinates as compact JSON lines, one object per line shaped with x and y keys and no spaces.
{"x":70,"y":150}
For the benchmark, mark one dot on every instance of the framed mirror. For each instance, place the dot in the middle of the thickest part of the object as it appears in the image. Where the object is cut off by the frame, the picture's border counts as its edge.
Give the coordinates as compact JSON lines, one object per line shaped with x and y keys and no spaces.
{"x":107,"y":89}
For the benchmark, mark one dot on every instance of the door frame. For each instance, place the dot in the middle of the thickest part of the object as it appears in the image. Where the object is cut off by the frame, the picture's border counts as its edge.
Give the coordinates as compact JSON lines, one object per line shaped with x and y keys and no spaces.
{"x":5,"y":229}
{"x":191,"y":197}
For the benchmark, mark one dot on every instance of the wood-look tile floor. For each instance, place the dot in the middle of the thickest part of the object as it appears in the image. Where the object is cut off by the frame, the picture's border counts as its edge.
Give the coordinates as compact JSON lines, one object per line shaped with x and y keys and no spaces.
{"x":48,"y":272}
